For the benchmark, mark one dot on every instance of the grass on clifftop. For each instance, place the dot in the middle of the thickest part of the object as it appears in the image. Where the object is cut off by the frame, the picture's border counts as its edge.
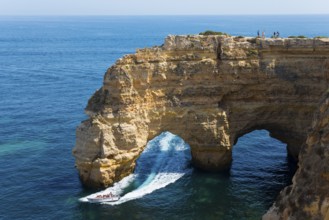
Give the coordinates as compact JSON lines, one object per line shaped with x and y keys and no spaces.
{"x":208,"y":32}
{"x":300,"y":36}
{"x":321,"y":37}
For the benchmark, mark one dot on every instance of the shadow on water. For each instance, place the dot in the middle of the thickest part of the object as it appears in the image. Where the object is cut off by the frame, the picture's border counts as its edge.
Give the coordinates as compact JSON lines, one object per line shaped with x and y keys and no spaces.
{"x":261,"y":168}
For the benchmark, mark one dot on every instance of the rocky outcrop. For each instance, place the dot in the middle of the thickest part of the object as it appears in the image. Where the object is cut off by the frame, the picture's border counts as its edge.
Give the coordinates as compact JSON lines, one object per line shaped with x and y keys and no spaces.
{"x":209,"y":90}
{"x":308,"y":196}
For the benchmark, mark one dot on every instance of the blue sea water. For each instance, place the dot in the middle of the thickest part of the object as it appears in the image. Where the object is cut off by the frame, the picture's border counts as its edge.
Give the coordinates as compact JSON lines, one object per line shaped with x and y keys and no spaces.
{"x":50,"y":66}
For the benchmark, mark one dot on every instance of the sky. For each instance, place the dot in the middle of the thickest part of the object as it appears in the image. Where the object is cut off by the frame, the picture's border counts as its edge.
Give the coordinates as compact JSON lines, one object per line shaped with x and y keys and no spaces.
{"x":161,"y":7}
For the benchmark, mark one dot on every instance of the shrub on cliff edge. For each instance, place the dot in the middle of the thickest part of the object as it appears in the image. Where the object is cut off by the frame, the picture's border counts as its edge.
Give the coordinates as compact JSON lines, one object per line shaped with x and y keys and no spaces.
{"x":208,"y":32}
{"x":300,"y":36}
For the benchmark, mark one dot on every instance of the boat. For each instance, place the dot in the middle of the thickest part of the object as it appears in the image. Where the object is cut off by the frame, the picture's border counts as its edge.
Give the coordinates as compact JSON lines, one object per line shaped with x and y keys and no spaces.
{"x":104,"y":198}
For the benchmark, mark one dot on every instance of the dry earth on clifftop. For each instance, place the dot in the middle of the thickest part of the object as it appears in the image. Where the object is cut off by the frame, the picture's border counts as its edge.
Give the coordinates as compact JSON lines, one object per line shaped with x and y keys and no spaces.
{"x":211,"y":90}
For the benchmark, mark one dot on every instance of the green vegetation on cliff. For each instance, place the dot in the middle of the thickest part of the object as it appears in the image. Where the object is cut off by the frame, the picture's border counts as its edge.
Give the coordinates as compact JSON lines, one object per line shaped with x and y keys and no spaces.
{"x":209,"y":32}
{"x":300,"y":36}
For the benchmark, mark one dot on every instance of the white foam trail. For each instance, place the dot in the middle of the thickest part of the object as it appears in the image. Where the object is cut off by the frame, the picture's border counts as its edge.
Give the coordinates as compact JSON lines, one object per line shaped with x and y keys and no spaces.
{"x":160,"y":181}
{"x":116,"y":189}
{"x":168,"y":163}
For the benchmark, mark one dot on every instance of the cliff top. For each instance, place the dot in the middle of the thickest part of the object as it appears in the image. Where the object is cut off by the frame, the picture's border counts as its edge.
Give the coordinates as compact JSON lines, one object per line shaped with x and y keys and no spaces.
{"x":225,"y":47}
{"x":204,"y":42}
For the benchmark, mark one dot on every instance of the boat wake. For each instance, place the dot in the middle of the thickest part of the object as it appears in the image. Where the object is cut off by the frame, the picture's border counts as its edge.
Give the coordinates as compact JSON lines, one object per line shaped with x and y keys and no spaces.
{"x":164,"y":160}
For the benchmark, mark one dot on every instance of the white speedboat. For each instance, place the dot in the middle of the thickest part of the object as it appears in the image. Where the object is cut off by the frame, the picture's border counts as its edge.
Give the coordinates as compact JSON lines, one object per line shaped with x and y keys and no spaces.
{"x":104,"y":198}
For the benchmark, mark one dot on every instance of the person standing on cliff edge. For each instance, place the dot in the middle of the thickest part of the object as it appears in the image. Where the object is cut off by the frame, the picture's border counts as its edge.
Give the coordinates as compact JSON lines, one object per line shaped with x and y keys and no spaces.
{"x":263,"y":34}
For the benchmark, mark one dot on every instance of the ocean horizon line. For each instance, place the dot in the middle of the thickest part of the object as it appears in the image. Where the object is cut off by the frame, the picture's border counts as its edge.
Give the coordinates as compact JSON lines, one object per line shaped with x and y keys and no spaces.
{"x":162,"y":15}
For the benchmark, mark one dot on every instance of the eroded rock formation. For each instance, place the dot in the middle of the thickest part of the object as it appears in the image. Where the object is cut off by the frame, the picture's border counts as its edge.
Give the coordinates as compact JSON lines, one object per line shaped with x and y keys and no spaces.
{"x":209,"y":90}
{"x":308,"y":196}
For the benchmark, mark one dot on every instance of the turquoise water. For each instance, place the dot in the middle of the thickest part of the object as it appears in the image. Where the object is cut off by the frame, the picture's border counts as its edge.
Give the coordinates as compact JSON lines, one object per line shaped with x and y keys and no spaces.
{"x":50,"y":66}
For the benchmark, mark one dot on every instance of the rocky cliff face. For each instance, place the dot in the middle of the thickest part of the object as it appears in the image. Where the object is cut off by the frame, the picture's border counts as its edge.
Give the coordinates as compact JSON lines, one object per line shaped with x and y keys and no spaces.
{"x":209,"y":90}
{"x":308,"y":196}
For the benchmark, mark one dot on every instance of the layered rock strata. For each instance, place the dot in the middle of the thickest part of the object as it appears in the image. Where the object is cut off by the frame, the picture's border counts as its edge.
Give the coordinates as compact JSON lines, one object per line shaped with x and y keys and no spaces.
{"x":308,"y":196}
{"x":209,"y":90}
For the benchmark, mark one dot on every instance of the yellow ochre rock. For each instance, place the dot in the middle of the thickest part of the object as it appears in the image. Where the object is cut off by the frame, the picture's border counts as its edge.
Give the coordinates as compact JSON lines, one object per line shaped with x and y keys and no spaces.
{"x":210,"y":90}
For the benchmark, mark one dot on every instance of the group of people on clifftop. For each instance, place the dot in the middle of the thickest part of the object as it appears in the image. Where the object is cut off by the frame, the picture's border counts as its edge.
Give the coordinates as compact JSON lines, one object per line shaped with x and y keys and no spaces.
{"x":275,"y":34}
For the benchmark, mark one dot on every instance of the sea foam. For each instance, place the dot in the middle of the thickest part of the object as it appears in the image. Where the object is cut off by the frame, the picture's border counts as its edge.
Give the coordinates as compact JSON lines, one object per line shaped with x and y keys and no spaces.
{"x":164,"y":161}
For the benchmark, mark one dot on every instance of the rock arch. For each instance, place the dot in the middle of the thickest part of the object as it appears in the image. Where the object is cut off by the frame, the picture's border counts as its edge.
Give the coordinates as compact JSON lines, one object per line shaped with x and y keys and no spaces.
{"x":283,"y":132}
{"x":186,"y":88}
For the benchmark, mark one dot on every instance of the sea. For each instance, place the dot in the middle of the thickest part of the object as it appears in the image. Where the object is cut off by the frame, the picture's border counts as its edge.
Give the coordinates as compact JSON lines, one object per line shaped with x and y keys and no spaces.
{"x":50,"y":67}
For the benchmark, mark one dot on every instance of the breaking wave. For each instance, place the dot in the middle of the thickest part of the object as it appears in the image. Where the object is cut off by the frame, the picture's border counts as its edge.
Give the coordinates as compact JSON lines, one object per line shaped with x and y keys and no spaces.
{"x":164,"y":160}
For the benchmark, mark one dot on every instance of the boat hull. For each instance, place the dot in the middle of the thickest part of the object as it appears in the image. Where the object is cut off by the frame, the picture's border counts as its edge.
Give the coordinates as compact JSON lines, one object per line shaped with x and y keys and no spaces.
{"x":97,"y":200}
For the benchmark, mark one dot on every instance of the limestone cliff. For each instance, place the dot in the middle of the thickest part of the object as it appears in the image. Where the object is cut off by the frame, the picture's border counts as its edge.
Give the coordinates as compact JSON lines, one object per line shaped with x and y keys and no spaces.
{"x":308,"y":197}
{"x":209,"y":90}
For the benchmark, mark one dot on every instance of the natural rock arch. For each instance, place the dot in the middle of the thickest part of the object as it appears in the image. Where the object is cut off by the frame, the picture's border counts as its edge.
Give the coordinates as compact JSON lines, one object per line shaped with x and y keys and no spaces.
{"x":209,"y":90}
{"x":281,"y":132}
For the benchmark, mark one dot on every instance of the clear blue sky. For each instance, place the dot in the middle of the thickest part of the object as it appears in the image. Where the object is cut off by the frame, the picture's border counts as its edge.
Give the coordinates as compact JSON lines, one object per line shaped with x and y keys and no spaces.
{"x":162,"y":7}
